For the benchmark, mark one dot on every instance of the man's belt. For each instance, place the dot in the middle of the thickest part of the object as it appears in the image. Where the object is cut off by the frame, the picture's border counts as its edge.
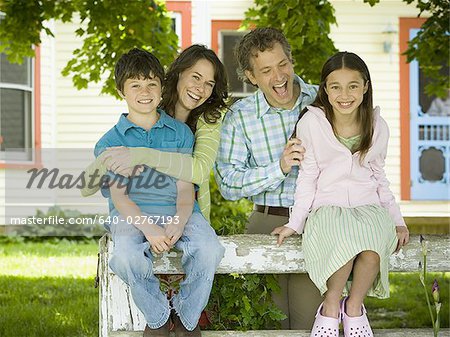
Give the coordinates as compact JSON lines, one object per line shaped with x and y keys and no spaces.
{"x":272,"y":210}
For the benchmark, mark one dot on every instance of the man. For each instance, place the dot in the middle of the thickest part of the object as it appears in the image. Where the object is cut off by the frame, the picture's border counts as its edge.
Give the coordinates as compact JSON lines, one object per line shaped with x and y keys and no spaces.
{"x":256,"y":158}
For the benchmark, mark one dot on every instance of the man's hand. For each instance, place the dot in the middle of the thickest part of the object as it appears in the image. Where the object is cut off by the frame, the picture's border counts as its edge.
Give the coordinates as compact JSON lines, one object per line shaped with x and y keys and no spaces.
{"x":118,"y":160}
{"x":282,"y":232}
{"x":174,"y":230}
{"x":403,"y":237}
{"x":157,"y":238}
{"x":292,"y":155}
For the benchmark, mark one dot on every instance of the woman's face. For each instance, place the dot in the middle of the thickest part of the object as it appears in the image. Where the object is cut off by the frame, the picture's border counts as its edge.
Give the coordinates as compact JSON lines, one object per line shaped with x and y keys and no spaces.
{"x":195,"y":85}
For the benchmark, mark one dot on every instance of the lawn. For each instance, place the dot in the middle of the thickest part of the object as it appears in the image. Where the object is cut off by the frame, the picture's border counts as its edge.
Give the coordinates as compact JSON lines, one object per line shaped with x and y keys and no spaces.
{"x":47,"y":290}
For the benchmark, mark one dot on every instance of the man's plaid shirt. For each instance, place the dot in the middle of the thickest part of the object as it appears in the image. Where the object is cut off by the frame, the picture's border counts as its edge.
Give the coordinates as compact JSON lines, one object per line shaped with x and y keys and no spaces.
{"x":252,"y":140}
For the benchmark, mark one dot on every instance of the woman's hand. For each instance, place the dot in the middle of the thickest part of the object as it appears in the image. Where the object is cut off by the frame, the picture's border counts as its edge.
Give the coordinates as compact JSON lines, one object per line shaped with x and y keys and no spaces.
{"x":282,"y":232}
{"x":403,"y":237}
{"x":118,"y":160}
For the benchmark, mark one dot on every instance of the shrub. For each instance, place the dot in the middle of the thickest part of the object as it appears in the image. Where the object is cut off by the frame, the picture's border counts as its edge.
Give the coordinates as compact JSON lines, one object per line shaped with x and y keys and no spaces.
{"x":239,"y":302}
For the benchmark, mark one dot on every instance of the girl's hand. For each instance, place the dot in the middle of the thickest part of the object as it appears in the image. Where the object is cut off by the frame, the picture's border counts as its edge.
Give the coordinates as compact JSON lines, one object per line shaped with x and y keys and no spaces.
{"x":282,"y":232}
{"x":403,"y":237}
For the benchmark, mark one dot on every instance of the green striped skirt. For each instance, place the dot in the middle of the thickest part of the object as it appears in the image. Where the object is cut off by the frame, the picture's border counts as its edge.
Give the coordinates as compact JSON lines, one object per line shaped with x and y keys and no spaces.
{"x":334,"y":235}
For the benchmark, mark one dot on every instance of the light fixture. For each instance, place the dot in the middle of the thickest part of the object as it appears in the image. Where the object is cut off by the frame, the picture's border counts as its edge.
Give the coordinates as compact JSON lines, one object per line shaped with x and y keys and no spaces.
{"x":388,"y":33}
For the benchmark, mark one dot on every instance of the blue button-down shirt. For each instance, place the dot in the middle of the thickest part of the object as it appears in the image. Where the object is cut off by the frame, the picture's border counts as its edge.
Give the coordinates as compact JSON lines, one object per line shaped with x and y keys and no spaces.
{"x":153,"y":192}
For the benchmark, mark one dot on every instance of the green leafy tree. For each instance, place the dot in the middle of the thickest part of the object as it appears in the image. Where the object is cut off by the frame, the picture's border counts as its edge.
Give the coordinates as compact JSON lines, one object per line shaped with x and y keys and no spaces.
{"x":306,"y":24}
{"x":108,"y":29}
{"x":430,"y":47}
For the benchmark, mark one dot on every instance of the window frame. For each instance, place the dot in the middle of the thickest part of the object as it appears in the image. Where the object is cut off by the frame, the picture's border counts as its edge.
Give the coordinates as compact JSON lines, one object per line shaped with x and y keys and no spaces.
{"x":28,"y":118}
{"x":182,"y":9}
{"x":35,"y":119}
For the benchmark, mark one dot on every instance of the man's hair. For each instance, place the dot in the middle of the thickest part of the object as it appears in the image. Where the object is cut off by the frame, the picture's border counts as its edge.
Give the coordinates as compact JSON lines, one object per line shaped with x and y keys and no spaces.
{"x":258,"y":40}
{"x":137,"y":63}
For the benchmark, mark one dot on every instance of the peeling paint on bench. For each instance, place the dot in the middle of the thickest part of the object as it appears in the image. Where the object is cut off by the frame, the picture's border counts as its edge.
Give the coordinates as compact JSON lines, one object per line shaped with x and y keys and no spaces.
{"x":244,"y":254}
{"x":258,"y":254}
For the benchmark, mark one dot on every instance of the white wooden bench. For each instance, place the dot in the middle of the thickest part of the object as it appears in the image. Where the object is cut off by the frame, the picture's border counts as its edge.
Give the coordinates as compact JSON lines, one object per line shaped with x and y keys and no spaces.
{"x":248,"y":254}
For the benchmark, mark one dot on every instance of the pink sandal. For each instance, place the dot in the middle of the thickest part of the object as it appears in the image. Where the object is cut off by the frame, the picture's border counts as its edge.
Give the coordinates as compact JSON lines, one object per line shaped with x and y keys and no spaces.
{"x":325,"y":326}
{"x":355,"y":326}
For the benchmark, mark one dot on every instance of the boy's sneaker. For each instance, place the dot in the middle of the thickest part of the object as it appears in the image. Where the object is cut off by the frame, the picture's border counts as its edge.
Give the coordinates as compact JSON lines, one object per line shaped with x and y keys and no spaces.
{"x":160,"y":332}
{"x":181,"y":331}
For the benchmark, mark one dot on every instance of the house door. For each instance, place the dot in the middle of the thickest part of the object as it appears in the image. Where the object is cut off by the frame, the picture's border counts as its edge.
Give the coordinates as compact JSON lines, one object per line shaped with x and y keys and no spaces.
{"x":430,"y":139}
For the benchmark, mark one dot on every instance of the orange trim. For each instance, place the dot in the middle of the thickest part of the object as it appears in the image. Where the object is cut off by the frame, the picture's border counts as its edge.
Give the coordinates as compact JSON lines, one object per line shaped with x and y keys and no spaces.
{"x":218,"y":25}
{"x":185,"y":9}
{"x":25,"y":166}
{"x":37,"y":118}
{"x":37,"y":98}
{"x":405,"y":25}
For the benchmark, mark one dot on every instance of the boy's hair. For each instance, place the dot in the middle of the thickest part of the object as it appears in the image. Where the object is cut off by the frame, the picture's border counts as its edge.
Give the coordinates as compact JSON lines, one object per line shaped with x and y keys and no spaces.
{"x":258,"y":40}
{"x":212,"y":108}
{"x":347,"y":60}
{"x":137,"y":63}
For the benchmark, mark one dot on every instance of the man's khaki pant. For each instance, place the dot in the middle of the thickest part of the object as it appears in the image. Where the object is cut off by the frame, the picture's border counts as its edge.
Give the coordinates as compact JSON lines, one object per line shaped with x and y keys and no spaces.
{"x":299,"y":298}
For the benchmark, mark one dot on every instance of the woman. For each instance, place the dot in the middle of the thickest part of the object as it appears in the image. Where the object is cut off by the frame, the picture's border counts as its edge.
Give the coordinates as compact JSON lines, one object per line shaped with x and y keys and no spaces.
{"x":195,"y":92}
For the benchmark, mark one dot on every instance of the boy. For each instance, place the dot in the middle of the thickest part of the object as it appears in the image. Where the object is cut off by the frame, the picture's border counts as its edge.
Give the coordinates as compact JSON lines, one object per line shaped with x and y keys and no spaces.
{"x":154,"y":211}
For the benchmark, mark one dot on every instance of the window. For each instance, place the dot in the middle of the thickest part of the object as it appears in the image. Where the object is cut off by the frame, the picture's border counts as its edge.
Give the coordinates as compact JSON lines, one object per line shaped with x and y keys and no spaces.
{"x":224,"y":36}
{"x":176,"y":26}
{"x":228,"y":40}
{"x":16,"y":110}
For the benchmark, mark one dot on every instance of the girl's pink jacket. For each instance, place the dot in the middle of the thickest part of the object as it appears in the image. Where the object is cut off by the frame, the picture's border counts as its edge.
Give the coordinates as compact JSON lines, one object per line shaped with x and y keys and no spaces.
{"x":330,"y":175}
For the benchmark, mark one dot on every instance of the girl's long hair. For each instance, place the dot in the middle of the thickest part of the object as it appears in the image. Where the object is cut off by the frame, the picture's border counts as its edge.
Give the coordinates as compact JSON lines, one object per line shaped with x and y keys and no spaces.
{"x":364,"y":117}
{"x":212,"y":108}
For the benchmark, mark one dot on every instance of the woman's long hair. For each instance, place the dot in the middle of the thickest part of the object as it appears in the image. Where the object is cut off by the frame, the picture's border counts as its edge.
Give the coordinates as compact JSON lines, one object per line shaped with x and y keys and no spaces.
{"x":364,"y":117}
{"x":212,"y":108}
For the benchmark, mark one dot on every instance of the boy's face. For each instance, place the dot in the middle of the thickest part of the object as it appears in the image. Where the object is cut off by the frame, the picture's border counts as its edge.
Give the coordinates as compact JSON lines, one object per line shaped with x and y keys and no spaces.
{"x":273,"y":73}
{"x":142,"y":95}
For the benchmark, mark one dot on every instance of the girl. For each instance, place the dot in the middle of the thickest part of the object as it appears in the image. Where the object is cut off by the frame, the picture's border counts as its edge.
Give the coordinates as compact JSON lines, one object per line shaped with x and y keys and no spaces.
{"x":353,"y":223}
{"x":195,"y":92}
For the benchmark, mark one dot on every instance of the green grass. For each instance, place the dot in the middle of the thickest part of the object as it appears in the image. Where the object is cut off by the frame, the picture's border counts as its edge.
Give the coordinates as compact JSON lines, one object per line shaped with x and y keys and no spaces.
{"x":46,"y":289}
{"x":407,"y":306}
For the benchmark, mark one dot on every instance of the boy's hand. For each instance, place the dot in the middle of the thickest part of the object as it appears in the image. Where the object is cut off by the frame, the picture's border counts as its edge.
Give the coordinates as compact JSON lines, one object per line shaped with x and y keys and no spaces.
{"x":174,"y":230}
{"x":157,"y":238}
{"x":403,"y":237}
{"x":282,"y":232}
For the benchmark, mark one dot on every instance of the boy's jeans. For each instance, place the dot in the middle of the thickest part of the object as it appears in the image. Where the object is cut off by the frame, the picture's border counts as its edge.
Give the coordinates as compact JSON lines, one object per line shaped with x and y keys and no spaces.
{"x":132,"y":261}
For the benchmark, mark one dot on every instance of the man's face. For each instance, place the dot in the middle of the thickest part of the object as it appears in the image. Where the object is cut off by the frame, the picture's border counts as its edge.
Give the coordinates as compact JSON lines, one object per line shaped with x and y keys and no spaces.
{"x":273,"y":73}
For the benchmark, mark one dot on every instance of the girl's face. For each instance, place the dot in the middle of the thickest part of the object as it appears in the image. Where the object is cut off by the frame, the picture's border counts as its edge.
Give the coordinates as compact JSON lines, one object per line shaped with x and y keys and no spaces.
{"x":345,"y":89}
{"x":195,"y":85}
